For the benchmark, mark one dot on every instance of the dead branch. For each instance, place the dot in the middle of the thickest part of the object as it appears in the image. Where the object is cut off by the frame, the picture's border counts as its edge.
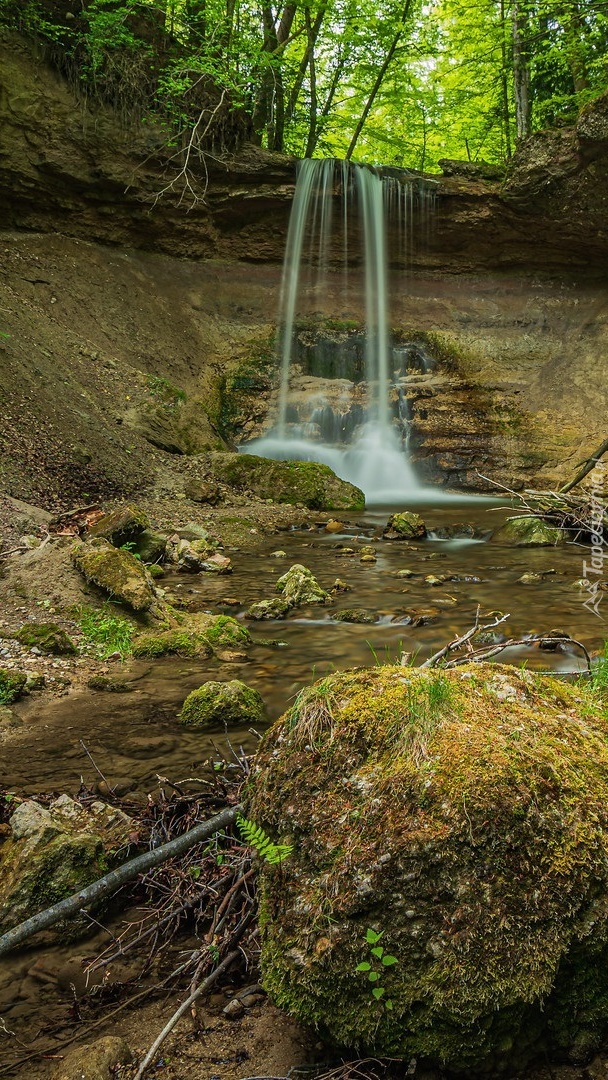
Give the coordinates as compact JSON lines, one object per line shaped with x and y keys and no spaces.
{"x":588,"y":465}
{"x":116,"y":879}
{"x":459,"y":642}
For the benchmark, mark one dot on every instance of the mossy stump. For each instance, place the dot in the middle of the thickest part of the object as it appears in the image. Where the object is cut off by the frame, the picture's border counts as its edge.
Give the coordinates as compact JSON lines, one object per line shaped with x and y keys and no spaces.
{"x":464,"y":816}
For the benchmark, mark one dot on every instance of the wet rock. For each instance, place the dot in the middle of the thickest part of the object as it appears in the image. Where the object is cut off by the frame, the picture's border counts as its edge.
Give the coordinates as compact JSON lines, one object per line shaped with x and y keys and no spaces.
{"x":204,"y":491}
{"x":220,"y":631}
{"x":299,"y":586}
{"x":404,"y":526}
{"x":155,"y":571}
{"x":12,"y":685}
{"x":121,"y":526}
{"x":434,"y":579}
{"x":47,"y":637}
{"x":117,"y":572}
{"x":334,"y":526}
{"x":405,"y":573}
{"x":55,"y":851}
{"x":176,"y":642}
{"x":490,"y":900}
{"x":278,"y":555}
{"x":354,"y":615}
{"x":275,"y":608}
{"x":368,"y":559}
{"x":453,"y":532}
{"x":193,"y":532}
{"x":340,"y":586}
{"x":150,"y":545}
{"x":529,"y":532}
{"x":100,"y":1060}
{"x":530,"y":578}
{"x":222,"y":703}
{"x":217,"y":564}
{"x":306,"y":482}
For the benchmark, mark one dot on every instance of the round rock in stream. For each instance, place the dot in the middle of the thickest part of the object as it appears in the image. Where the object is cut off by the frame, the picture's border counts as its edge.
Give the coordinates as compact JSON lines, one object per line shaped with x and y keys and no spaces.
{"x":461,"y":816}
{"x":223,"y":703}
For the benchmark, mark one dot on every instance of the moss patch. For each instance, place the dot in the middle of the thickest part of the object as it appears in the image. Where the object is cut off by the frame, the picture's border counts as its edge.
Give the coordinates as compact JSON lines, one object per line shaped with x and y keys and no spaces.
{"x":464,"y":814}
{"x":115,"y":571}
{"x":178,"y":642}
{"x":47,"y":637}
{"x":12,"y":685}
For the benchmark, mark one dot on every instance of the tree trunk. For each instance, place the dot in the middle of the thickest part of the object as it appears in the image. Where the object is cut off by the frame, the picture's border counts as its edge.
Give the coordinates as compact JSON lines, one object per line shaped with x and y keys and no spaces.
{"x":521,"y":74}
{"x":506,"y":111}
{"x":378,"y":81}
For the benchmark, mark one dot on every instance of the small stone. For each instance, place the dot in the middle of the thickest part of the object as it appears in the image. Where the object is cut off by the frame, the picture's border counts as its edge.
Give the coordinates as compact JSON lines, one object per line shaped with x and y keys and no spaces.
{"x":368,"y":559}
{"x":529,"y":579}
{"x":334,"y":526}
{"x":234,"y":1009}
{"x":278,"y":555}
{"x":405,"y":573}
{"x":340,"y":586}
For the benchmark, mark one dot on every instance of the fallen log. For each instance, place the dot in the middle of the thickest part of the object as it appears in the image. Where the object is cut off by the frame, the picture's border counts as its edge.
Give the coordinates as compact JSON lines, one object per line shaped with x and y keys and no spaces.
{"x":108,"y":884}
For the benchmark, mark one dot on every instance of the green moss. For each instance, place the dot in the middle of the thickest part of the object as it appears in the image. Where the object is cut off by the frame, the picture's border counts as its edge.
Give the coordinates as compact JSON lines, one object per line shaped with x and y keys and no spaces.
{"x":306,"y":482}
{"x":12,"y":685}
{"x":170,"y":642}
{"x":222,"y":703}
{"x":224,"y":631}
{"x":55,"y":868}
{"x":465,"y":814}
{"x":47,"y":637}
{"x":529,"y":531}
{"x":115,"y":571}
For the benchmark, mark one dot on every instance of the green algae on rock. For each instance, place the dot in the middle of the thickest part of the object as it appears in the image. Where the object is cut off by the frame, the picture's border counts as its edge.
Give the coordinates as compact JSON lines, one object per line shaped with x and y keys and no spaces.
{"x":117,"y":572}
{"x":275,"y":608}
{"x":463,"y":814}
{"x":299,"y":586}
{"x":529,"y":532}
{"x":307,"y":482}
{"x":223,"y":702}
{"x":48,"y":637}
{"x":404,"y":526}
{"x":176,"y":642}
{"x":221,"y":631}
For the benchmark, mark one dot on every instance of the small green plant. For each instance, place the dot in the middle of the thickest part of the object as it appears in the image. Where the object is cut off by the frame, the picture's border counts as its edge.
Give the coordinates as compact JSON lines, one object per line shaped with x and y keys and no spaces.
{"x":106,"y":632}
{"x":255,"y":837}
{"x":130,"y":547}
{"x":376,"y":966}
{"x":164,"y":391}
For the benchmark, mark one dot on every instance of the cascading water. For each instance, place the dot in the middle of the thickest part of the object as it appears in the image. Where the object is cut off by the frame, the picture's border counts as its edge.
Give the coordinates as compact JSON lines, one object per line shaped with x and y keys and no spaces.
{"x":375,"y":456}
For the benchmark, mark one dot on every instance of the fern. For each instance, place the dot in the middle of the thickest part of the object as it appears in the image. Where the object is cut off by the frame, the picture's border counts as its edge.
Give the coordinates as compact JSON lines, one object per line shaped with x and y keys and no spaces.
{"x":255,"y":837}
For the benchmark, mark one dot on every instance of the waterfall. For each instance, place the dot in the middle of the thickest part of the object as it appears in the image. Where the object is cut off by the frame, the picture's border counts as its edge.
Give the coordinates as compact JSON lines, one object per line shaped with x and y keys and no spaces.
{"x":375,"y":457}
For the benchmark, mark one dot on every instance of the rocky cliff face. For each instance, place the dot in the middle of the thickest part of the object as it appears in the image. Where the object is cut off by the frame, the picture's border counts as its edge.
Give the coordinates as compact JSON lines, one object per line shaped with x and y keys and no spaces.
{"x":132,"y":324}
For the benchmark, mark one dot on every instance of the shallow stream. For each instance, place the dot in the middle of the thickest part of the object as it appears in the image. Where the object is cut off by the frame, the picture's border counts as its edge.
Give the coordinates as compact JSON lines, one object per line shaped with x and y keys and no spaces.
{"x":136,"y":736}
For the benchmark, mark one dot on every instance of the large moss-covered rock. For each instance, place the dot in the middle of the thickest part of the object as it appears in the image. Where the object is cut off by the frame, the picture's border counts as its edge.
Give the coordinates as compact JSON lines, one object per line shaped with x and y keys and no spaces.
{"x":300,"y":586}
{"x":176,"y":642}
{"x":48,"y":637}
{"x":529,"y":532}
{"x":307,"y":482}
{"x":221,"y":631}
{"x":121,"y":526}
{"x":117,"y":572}
{"x":222,"y":703}
{"x":462,"y":815}
{"x":404,"y":526}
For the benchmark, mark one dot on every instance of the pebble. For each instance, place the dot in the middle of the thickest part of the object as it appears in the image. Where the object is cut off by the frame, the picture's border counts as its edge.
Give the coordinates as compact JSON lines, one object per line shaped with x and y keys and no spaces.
{"x":234,"y":1009}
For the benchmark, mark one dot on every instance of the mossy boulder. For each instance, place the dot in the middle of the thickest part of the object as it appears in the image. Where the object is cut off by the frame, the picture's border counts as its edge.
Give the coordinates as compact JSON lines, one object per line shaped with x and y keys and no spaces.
{"x":117,"y":572}
{"x":307,"y":482}
{"x":12,"y":685}
{"x":48,"y":637}
{"x":223,"y":703}
{"x":529,"y":532}
{"x":121,"y":526}
{"x":462,"y":815}
{"x":404,"y":526}
{"x":150,"y":546}
{"x":300,"y":586}
{"x":354,"y":615}
{"x":177,"y":642}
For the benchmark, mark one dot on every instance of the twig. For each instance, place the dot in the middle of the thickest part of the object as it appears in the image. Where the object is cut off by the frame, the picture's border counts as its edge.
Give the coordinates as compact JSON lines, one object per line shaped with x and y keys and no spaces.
{"x":177,"y":1015}
{"x":95,"y":766}
{"x":458,"y":642}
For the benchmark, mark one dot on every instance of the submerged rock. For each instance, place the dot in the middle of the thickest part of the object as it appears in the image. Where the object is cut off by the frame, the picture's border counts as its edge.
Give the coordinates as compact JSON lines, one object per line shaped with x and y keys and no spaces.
{"x":299,"y":586}
{"x":306,"y":482}
{"x":223,"y":703}
{"x":117,"y":572}
{"x":462,"y":816}
{"x":529,"y":532}
{"x":354,"y":615}
{"x":404,"y":526}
